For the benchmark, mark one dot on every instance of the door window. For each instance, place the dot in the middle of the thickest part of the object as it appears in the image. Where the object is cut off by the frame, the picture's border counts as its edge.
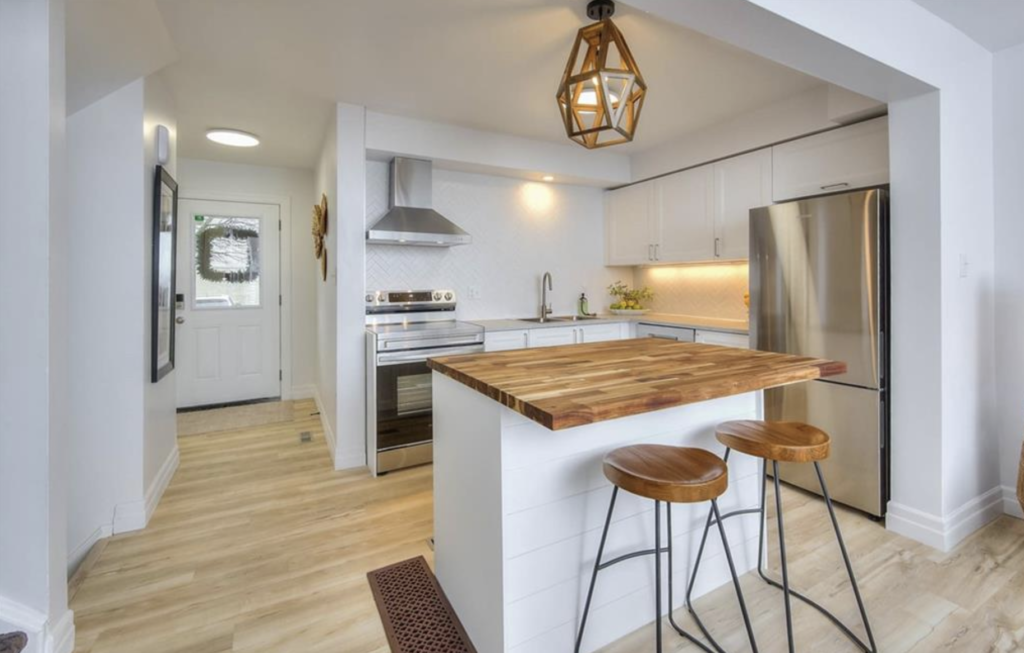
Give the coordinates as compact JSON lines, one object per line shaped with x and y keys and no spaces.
{"x":227,"y":262}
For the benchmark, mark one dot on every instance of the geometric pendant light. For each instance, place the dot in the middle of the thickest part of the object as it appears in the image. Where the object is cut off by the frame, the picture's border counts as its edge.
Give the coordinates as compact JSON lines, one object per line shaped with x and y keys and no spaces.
{"x":602,"y":90}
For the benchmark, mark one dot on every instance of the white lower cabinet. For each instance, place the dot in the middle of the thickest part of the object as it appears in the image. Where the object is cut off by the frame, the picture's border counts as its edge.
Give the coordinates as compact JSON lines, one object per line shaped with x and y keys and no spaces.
{"x":552,"y":336}
{"x":506,"y":340}
{"x":602,"y":332}
{"x":737,"y":340}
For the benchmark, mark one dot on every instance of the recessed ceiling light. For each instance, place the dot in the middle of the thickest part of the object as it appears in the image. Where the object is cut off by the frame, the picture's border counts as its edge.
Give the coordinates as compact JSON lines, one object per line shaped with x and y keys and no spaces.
{"x":548,"y":178}
{"x":232,"y":137}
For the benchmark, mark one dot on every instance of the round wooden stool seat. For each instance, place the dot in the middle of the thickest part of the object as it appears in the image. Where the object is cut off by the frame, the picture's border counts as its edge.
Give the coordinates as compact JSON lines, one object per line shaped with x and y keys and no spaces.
{"x":792,"y":442}
{"x":664,"y":473}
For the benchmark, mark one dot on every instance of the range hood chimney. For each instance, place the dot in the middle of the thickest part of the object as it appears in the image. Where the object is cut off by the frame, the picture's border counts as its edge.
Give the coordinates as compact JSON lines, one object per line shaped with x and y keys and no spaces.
{"x":412,"y":219}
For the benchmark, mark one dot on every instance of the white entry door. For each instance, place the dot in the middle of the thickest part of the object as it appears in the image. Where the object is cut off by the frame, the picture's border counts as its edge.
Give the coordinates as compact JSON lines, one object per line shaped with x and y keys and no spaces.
{"x":228,"y":338}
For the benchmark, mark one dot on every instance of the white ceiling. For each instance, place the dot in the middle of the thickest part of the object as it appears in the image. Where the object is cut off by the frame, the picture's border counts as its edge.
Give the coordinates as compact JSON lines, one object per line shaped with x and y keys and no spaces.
{"x":995,"y":24}
{"x":276,"y":67}
{"x":111,"y":43}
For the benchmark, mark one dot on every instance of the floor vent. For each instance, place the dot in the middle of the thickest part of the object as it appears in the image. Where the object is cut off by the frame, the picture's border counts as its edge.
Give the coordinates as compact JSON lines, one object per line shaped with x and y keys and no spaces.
{"x":305,"y":437}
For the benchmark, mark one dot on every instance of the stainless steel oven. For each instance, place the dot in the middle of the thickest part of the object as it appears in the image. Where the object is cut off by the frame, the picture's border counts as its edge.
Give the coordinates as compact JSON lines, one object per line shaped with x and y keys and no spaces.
{"x":399,"y":397}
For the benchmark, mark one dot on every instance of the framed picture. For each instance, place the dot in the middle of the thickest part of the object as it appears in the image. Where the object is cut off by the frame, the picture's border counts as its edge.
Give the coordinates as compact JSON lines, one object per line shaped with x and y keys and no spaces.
{"x":165,"y":226}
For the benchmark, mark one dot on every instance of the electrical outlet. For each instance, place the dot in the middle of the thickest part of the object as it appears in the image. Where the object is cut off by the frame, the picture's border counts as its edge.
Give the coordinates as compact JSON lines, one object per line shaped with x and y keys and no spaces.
{"x":474,"y":292}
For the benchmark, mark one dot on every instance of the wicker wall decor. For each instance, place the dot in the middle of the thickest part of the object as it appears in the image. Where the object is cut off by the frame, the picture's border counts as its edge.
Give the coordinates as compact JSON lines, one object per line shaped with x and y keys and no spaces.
{"x":1020,"y":479}
{"x":319,"y":233}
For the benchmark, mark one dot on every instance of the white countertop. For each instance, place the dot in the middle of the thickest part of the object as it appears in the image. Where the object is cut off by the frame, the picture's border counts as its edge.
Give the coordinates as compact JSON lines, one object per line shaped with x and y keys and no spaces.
{"x":690,"y":321}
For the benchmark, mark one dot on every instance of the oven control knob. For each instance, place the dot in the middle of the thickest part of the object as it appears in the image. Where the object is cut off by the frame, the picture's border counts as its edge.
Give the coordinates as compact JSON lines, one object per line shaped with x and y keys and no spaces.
{"x":448,"y":296}
{"x":437,"y":296}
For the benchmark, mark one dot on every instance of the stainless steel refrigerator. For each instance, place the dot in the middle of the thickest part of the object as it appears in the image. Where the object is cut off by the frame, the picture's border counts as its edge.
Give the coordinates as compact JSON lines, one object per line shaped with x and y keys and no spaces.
{"x":819,"y":286}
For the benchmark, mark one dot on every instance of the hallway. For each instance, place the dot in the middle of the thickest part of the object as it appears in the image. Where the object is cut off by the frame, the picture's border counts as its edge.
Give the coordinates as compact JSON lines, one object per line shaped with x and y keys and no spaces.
{"x":257,"y":545}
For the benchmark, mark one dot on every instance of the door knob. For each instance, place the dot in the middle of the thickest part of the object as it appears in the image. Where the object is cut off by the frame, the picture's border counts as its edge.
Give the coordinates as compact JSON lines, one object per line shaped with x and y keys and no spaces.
{"x":180,"y":319}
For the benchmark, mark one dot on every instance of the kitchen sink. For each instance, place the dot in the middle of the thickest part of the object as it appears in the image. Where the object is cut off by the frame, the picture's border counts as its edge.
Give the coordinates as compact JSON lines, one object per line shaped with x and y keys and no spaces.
{"x":559,"y":318}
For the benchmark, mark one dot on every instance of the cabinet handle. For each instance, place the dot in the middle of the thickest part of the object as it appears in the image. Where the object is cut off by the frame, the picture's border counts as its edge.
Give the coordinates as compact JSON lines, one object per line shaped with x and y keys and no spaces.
{"x":841,"y":184}
{"x":657,"y":254}
{"x":526,"y":339}
{"x":579,"y":336}
{"x":650,"y":252}
{"x":718,"y":242}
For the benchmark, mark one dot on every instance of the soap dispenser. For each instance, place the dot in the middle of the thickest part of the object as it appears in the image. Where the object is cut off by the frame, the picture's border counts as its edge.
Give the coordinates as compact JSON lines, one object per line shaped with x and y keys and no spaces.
{"x":584,"y":307}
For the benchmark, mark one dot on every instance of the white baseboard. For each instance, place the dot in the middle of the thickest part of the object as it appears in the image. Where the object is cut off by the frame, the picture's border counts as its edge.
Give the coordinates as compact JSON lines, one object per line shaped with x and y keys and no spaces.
{"x":944,"y":533}
{"x":134,"y":515}
{"x":353,"y":459}
{"x":76,"y":555}
{"x":1010,"y":504}
{"x":328,"y":433}
{"x":156,"y":489}
{"x":129,"y":516}
{"x":44,"y":636}
{"x":307,"y":391}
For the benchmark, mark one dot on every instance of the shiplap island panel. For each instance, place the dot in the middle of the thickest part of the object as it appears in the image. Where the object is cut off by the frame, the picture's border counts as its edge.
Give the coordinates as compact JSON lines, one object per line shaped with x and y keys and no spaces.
{"x":563,"y":387}
{"x":520,"y":497}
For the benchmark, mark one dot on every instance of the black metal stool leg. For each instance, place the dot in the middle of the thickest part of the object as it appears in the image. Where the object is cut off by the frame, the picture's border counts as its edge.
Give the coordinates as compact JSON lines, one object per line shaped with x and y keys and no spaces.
{"x":597,"y":567}
{"x":735,"y":578}
{"x":671,"y":603}
{"x":782,"y":556}
{"x":761,"y":570}
{"x":657,"y":574}
{"x":846,"y":557}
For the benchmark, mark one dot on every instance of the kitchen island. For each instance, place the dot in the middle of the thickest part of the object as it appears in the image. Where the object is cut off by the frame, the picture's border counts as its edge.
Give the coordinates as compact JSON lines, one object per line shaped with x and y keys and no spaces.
{"x":519,"y":493}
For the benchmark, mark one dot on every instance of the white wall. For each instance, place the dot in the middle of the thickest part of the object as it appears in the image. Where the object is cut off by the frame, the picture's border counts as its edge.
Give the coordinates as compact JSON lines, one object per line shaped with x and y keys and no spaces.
{"x":123,"y":428}
{"x":213,"y":179}
{"x":105,"y":160}
{"x":494,"y":153}
{"x":520,"y":230}
{"x":817,"y":108}
{"x":326,"y":181}
{"x":1009,"y":290}
{"x":33,"y":345}
{"x":349,"y":225}
{"x":160,"y":447}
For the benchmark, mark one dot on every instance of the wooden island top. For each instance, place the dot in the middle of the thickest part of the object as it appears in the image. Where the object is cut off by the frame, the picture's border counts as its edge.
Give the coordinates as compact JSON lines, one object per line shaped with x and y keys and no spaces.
{"x":573,"y":385}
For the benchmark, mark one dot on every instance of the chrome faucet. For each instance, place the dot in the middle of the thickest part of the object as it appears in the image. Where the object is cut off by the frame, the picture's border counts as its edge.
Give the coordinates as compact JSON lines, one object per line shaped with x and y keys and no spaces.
{"x":545,"y":286}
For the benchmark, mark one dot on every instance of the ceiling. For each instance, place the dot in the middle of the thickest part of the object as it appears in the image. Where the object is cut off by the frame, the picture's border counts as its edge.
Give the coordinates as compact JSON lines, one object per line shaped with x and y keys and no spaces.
{"x":995,"y":24}
{"x":276,"y":68}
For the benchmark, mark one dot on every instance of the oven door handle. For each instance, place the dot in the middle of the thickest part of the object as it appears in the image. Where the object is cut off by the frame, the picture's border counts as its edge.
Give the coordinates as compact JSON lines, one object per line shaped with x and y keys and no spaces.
{"x":397,"y":358}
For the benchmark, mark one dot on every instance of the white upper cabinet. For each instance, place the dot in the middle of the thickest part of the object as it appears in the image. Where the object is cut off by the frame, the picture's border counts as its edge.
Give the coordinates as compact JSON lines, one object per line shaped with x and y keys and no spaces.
{"x":741,"y":183}
{"x":852,"y":157}
{"x":684,"y":219}
{"x":628,"y":228}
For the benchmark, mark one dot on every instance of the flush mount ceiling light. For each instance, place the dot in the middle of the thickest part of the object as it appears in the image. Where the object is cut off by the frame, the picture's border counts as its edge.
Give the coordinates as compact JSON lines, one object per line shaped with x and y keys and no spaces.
{"x":232,"y":137}
{"x":602,"y":90}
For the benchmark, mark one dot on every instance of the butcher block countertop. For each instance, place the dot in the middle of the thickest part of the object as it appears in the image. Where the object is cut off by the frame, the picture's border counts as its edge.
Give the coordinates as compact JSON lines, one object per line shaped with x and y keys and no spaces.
{"x":563,"y":387}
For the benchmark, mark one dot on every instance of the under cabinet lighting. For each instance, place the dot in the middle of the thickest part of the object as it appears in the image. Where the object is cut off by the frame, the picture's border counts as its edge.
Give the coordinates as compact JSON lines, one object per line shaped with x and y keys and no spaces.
{"x":548,"y":178}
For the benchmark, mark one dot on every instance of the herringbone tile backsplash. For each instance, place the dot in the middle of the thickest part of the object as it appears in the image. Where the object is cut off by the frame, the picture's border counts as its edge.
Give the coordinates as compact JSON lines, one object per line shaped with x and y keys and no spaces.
{"x":520,"y":230}
{"x":707,"y":290}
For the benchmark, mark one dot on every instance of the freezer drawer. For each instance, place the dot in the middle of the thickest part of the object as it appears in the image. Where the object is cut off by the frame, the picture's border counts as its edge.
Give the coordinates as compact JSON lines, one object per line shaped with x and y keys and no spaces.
{"x":855,"y":418}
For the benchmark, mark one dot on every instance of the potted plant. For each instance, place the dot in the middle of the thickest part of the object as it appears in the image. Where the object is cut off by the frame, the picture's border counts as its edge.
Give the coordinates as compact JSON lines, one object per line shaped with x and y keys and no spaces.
{"x":629,"y":301}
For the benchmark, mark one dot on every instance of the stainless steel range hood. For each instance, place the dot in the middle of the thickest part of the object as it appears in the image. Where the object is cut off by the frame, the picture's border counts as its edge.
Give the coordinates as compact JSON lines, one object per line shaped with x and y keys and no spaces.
{"x":412,"y":219}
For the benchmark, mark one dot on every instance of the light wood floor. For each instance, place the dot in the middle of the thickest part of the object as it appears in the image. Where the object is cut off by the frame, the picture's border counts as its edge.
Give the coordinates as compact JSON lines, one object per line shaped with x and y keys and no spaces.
{"x":258,"y":545}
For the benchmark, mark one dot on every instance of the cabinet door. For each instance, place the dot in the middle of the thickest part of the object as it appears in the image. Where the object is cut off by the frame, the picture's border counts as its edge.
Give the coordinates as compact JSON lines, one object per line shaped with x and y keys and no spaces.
{"x":600,"y":332}
{"x":737,"y":340}
{"x":505,"y":340}
{"x":851,"y":157}
{"x":741,"y":183}
{"x":627,"y":219}
{"x":682,"y":334}
{"x":684,"y":223}
{"x":552,"y":336}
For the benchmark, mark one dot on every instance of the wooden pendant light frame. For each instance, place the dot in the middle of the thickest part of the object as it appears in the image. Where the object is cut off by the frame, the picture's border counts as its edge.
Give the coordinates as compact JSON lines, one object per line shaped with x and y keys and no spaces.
{"x":598,"y":37}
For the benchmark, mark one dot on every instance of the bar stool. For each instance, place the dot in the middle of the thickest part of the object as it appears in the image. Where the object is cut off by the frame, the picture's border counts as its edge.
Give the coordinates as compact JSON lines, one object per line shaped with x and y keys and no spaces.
{"x":667,"y":475}
{"x":792,"y":442}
